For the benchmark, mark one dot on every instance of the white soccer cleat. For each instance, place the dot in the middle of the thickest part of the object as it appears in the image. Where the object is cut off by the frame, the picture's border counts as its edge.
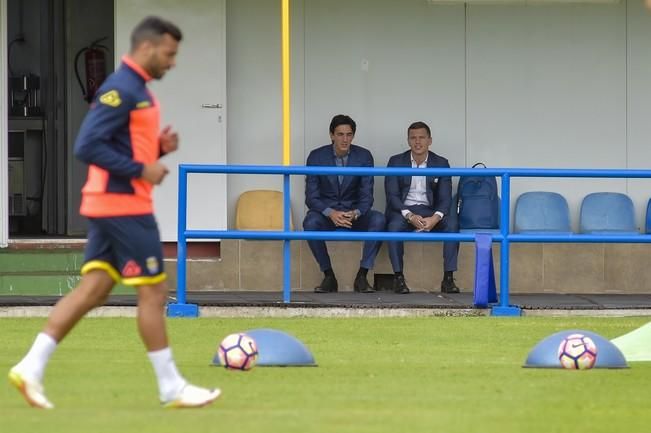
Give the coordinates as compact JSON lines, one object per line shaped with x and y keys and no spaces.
{"x":193,"y":396}
{"x":31,"y":389}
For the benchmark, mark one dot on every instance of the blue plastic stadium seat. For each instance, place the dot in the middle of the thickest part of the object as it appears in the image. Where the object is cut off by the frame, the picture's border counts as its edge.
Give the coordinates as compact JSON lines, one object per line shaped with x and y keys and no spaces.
{"x":605,"y":213}
{"x":541,"y":212}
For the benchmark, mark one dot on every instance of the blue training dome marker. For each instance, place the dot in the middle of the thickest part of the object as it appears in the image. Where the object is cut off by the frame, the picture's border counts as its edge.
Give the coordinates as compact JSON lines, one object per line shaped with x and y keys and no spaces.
{"x":277,"y":348}
{"x":545,"y":354}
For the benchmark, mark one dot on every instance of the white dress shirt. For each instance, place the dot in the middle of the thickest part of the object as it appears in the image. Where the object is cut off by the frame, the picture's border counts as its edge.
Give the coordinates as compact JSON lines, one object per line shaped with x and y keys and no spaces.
{"x":417,"y":194}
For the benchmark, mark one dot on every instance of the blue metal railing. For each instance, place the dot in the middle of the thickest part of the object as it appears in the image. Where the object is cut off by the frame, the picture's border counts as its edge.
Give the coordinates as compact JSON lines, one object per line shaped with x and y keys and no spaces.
{"x":181,"y":308}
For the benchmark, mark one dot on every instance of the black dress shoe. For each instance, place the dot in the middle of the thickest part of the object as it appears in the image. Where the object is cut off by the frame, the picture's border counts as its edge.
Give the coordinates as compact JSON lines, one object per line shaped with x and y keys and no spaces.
{"x":361,"y":284}
{"x":448,"y":286}
{"x":400,"y":285}
{"x":328,"y":285}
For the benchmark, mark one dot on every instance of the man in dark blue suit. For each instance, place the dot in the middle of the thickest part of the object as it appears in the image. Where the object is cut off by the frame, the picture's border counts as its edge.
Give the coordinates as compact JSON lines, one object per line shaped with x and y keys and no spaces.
{"x":420,"y":203}
{"x":341,"y":202}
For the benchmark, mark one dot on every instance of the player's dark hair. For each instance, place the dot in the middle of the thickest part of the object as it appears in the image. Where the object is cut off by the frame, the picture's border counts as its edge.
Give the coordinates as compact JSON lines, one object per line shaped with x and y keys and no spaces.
{"x":420,"y":125}
{"x":152,"y":29}
{"x":342,"y":119}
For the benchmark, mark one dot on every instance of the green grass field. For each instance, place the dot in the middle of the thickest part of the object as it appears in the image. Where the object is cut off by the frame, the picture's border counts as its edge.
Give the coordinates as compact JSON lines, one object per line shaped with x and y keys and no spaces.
{"x":374,"y":375}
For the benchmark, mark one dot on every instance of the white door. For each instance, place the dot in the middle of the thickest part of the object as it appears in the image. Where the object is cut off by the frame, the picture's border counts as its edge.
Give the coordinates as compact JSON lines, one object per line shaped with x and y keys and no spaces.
{"x":199,"y":79}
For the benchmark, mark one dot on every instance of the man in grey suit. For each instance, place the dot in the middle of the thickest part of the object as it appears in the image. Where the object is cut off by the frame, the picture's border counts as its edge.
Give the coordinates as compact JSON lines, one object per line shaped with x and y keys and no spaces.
{"x":421,"y":204}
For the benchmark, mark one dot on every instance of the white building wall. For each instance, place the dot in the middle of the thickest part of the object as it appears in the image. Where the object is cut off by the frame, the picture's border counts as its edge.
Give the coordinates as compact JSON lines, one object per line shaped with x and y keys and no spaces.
{"x":638,"y":102}
{"x":386,"y":64}
{"x":521,"y":86}
{"x":253,"y":54}
{"x":547,"y":88}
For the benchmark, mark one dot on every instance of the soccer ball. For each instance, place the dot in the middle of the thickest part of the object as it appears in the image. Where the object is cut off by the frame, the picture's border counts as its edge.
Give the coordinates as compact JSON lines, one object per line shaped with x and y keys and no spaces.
{"x":238,"y":352}
{"x":577,"y":352}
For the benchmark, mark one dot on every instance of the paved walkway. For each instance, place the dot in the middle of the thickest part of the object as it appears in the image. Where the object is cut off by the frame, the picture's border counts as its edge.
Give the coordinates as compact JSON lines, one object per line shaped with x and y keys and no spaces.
{"x":250,"y":303}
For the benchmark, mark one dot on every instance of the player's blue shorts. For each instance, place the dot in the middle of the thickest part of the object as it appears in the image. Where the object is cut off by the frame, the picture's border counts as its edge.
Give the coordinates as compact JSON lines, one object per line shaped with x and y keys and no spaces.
{"x":128,"y":248}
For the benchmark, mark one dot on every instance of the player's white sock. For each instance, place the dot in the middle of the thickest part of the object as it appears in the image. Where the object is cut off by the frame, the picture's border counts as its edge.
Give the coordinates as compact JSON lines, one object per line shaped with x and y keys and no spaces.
{"x":170,"y":381}
{"x":33,"y":364}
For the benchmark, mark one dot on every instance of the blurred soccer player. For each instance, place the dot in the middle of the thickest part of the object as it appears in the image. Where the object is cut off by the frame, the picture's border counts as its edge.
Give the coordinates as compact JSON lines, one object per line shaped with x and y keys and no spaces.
{"x":121,"y":141}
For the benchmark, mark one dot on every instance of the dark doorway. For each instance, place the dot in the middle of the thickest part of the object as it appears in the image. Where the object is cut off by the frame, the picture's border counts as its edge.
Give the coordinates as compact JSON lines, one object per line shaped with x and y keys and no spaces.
{"x":49,"y":75}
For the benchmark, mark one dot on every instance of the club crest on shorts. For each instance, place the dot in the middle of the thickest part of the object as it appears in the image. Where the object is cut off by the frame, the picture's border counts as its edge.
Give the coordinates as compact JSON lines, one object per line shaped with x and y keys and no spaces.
{"x":152,"y":265}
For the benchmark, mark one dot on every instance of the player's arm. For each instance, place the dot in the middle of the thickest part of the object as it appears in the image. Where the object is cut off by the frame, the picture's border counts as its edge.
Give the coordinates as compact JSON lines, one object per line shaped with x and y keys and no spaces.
{"x":168,"y":141}
{"x":154,"y":173}
{"x":94,"y":145}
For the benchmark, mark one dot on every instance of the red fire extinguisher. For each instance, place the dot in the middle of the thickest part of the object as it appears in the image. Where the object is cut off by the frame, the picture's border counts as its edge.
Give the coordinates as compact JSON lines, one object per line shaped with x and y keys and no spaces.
{"x":95,"y":68}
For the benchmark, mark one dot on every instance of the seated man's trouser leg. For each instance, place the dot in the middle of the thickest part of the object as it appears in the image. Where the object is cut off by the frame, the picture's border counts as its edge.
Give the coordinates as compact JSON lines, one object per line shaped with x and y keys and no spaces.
{"x":397,"y":223}
{"x":316,"y":221}
{"x":371,"y":221}
{"x":450,"y":249}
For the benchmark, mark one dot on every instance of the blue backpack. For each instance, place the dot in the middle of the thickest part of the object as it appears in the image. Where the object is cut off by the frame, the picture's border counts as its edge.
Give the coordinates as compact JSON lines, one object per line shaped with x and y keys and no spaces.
{"x":478,"y":202}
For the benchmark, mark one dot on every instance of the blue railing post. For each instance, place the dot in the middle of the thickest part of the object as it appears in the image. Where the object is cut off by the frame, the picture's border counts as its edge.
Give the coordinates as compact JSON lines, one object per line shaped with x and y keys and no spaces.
{"x":504,"y":308}
{"x":287,"y":250}
{"x":180,"y":308}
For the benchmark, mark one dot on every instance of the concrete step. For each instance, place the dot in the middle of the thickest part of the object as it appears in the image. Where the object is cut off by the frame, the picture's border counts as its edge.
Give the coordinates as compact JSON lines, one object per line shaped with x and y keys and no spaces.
{"x":46,"y":284}
{"x":43,"y":268}
{"x":53,"y":260}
